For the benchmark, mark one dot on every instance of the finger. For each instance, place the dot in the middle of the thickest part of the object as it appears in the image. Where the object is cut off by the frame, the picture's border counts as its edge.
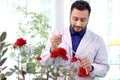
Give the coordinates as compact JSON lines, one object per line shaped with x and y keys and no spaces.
{"x":79,"y":58}
{"x":85,"y":62}
{"x":60,"y":36}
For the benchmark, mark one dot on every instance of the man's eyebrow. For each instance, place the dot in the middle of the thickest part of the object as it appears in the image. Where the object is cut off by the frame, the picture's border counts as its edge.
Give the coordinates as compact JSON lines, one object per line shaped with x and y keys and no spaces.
{"x":78,"y":18}
{"x":83,"y":18}
{"x":74,"y":17}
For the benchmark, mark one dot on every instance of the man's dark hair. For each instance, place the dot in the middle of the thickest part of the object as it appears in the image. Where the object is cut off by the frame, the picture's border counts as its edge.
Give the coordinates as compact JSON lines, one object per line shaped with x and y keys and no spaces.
{"x":81,"y":5}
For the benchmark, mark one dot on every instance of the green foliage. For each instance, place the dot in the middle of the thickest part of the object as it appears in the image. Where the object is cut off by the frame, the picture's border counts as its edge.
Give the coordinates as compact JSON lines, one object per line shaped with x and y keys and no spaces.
{"x":3,"y":50}
{"x":35,"y":28}
{"x":33,"y":25}
{"x":3,"y":36}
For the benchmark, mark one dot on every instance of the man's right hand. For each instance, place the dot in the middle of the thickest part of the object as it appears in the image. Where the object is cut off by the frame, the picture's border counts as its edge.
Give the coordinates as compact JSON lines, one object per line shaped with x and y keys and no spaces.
{"x":55,"y":41}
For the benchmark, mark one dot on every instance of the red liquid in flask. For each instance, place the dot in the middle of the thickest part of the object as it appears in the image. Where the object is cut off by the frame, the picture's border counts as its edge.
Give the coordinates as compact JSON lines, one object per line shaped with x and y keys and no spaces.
{"x":83,"y":72}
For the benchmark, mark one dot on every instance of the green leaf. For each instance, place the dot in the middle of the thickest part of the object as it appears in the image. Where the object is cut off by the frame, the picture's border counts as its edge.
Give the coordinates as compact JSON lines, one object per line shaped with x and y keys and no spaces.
{"x":40,"y":79}
{"x":4,"y":68}
{"x":11,"y":69}
{"x":8,"y":73}
{"x":30,"y":67}
{"x":3,"y":36}
{"x":16,"y":67}
{"x":2,"y":61}
{"x":4,"y":51}
{"x":2,"y":45}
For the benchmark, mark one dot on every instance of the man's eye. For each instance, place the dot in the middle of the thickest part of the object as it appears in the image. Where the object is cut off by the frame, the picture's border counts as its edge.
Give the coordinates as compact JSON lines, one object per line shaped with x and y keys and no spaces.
{"x":82,"y":20}
{"x":75,"y":19}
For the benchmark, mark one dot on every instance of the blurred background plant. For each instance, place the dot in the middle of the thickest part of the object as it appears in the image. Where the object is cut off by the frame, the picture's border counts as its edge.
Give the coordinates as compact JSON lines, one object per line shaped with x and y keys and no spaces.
{"x":34,"y":27}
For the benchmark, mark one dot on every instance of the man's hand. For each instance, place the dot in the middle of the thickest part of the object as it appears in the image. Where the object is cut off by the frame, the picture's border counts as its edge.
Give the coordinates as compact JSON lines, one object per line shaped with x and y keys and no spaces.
{"x":85,"y":62}
{"x":55,"y":41}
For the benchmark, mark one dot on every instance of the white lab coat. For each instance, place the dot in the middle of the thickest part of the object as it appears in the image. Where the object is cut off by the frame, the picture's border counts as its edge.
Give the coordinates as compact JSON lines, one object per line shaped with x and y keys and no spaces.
{"x":91,"y":45}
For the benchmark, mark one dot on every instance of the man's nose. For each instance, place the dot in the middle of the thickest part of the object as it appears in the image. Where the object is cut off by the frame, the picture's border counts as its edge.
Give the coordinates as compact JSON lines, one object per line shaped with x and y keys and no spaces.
{"x":78,"y":23}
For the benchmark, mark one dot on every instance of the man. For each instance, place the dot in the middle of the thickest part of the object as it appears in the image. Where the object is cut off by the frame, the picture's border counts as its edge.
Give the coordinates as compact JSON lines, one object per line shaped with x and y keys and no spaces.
{"x":80,"y":42}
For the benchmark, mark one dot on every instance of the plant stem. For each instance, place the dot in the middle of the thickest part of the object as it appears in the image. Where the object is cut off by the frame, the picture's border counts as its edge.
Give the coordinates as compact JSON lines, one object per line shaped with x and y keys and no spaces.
{"x":57,"y":74}
{"x":18,"y":66}
{"x":47,"y":75}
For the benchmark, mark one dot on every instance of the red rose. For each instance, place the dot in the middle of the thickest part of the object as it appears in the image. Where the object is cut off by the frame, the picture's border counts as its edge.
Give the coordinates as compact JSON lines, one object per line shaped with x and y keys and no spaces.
{"x":20,"y":42}
{"x":55,"y":54}
{"x":38,"y":58}
{"x":59,"y":52}
{"x":62,"y":51}
{"x":64,"y":57}
{"x":74,"y":59}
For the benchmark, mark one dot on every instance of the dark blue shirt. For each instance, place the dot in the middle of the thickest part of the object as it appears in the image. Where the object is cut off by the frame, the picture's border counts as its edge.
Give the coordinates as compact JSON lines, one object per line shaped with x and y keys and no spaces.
{"x":76,"y":38}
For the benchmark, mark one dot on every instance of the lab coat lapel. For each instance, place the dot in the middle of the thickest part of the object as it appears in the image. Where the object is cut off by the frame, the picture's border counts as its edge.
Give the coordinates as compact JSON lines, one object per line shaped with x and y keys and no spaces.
{"x":83,"y":44}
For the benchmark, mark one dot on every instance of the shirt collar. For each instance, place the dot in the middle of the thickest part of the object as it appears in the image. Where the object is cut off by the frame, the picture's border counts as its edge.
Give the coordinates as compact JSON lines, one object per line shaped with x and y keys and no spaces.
{"x":81,"y":33}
